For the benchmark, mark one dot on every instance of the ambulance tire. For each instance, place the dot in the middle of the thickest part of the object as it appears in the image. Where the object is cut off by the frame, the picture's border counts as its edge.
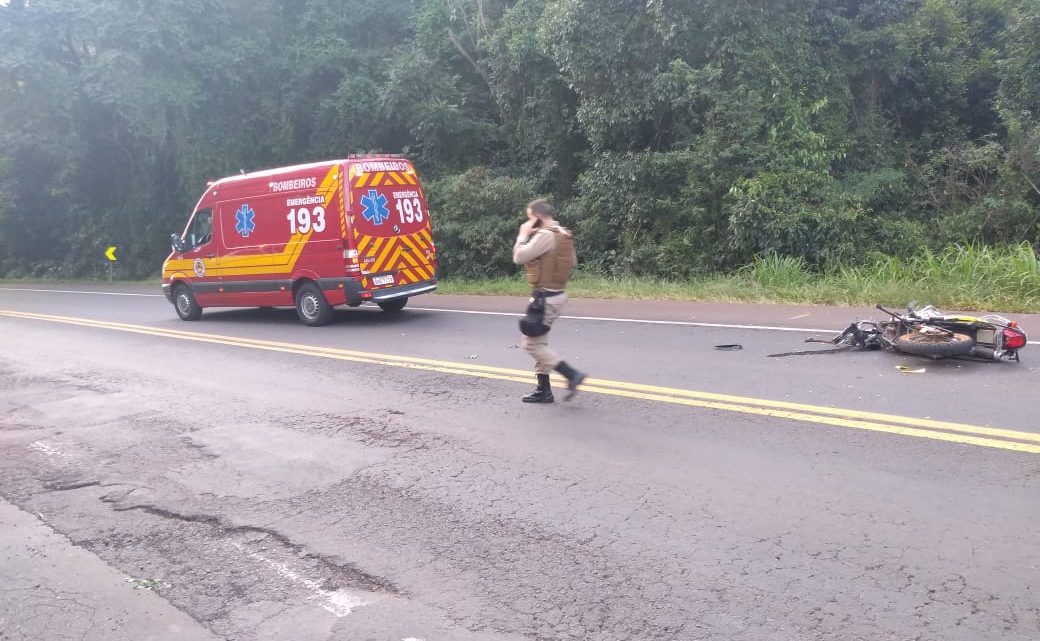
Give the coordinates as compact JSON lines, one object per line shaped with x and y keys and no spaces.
{"x":185,"y":304}
{"x":393,"y":306}
{"x":311,"y":306}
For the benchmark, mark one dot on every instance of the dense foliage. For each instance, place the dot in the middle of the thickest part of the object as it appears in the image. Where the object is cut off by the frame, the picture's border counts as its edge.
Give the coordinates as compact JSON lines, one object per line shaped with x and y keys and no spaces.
{"x":676,"y":137}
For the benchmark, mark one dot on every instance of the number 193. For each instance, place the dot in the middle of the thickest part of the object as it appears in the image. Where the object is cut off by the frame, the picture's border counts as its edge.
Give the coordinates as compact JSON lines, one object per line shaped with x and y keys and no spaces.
{"x":410,"y":210}
{"x":302,"y":220}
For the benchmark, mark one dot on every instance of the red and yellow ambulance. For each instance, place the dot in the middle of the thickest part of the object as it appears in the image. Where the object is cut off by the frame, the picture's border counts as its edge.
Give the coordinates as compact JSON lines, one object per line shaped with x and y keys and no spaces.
{"x":342,"y":232}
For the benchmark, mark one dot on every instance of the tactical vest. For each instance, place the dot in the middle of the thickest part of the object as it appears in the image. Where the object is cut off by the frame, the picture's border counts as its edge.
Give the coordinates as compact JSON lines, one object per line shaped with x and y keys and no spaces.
{"x":553,"y":269}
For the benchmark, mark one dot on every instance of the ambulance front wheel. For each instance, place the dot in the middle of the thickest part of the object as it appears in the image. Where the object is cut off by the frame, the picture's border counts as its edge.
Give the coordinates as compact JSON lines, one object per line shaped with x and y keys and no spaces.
{"x":394,"y":305}
{"x":311,"y":306}
{"x":185,"y":304}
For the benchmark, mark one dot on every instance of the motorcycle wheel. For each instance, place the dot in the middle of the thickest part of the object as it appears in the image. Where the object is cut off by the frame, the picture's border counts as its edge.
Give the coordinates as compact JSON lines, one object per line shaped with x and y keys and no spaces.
{"x":934,"y":345}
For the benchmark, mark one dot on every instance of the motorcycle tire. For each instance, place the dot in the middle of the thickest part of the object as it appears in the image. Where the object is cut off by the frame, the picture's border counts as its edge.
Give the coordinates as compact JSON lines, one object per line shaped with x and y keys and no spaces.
{"x":934,"y":345}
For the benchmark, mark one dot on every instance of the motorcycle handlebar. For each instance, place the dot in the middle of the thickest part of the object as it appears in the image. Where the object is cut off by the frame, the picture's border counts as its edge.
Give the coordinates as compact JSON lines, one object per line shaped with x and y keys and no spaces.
{"x":892,"y":314}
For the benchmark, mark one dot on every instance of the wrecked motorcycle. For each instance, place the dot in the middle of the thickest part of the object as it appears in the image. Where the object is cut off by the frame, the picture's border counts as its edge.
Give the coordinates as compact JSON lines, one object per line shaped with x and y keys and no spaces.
{"x":928,"y":332}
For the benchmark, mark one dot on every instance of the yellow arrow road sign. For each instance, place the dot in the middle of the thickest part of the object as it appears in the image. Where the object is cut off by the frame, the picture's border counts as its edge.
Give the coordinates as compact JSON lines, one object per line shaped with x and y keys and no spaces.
{"x":111,"y":254}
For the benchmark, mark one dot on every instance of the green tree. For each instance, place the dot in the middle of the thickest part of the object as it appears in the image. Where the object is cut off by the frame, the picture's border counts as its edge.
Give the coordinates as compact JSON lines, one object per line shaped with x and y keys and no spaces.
{"x":677,"y":138}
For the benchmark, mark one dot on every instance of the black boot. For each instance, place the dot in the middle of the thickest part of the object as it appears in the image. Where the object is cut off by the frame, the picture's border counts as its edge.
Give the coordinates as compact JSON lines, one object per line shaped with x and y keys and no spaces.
{"x":544,"y":392}
{"x":574,"y":379}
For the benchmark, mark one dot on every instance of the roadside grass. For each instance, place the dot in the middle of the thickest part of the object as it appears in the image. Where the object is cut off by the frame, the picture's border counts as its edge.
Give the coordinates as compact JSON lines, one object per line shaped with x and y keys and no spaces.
{"x":960,"y":277}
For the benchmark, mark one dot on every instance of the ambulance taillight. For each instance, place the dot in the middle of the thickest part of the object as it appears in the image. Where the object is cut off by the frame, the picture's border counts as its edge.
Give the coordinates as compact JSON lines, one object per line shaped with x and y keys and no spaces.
{"x":350,"y":257}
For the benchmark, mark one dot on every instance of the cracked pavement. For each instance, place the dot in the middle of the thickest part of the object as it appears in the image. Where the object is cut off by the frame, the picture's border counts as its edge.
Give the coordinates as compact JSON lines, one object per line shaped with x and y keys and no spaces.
{"x":275,"y":496}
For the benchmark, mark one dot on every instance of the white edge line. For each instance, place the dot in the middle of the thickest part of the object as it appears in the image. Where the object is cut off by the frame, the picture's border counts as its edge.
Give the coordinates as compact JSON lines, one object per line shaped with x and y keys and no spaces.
{"x":767,"y":328}
{"x":78,"y":291}
{"x":637,"y":320}
{"x":603,"y":319}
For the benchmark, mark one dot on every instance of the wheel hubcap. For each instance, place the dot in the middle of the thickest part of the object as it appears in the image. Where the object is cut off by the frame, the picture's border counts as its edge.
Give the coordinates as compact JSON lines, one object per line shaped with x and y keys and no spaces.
{"x":310,"y":306}
{"x":184,"y":304}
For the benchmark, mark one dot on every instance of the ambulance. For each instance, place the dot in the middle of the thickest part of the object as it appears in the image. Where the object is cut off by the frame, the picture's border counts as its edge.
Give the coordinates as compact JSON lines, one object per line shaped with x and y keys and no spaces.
{"x":315,"y":236}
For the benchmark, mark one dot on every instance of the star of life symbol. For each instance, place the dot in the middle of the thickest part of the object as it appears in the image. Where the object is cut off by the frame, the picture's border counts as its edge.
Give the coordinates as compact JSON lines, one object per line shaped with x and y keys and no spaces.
{"x":374,"y":207}
{"x":245,"y":221}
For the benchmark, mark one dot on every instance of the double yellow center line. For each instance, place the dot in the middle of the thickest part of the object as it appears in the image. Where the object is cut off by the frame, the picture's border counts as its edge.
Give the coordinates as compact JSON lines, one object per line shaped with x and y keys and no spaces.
{"x":966,"y":434}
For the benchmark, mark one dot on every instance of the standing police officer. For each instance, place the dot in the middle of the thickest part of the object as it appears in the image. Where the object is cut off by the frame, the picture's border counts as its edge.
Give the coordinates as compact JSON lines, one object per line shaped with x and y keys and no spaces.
{"x":546,"y":250}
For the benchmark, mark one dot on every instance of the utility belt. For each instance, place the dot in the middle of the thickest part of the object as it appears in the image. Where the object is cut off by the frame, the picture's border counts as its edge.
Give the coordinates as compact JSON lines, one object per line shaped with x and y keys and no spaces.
{"x":545,"y":293}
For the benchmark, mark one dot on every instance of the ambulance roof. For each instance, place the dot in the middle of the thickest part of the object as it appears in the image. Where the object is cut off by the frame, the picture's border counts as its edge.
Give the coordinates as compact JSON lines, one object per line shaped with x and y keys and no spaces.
{"x":267,"y":173}
{"x":325,"y":164}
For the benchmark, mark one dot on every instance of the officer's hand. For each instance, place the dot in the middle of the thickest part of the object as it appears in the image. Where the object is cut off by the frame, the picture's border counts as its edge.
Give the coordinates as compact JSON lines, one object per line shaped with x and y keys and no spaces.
{"x":527,"y":229}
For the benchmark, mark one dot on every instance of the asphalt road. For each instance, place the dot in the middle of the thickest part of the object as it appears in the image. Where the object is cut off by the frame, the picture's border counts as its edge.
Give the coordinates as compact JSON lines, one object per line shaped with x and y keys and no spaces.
{"x":247,"y":478}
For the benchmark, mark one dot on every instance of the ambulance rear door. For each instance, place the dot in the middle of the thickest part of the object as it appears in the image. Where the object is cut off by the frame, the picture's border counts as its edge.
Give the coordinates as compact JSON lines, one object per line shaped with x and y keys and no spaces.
{"x":390,"y":224}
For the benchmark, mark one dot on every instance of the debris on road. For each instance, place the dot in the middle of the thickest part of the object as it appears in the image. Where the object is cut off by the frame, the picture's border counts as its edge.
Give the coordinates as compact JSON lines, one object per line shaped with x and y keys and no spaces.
{"x":910,"y":370}
{"x":810,"y":352}
{"x":729,"y":348}
{"x":145,"y":584}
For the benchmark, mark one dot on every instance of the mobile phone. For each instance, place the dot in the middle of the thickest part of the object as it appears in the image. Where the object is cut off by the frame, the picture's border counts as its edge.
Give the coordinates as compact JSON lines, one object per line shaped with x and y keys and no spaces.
{"x":537,"y":223}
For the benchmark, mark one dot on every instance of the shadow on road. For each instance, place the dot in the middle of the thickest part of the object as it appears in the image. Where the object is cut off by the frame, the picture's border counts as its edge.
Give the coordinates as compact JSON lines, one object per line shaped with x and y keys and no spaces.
{"x":352,"y":317}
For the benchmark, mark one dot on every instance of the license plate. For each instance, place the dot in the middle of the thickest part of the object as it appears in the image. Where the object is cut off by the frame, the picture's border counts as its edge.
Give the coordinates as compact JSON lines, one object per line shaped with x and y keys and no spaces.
{"x":379,"y":281}
{"x":985,"y":336}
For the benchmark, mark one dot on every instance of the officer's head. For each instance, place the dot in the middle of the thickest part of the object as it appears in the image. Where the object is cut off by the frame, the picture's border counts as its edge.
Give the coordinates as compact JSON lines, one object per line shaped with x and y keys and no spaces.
{"x":540,"y":209}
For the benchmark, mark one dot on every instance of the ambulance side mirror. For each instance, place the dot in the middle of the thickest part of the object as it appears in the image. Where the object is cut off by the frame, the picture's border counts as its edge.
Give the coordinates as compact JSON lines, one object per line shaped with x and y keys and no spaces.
{"x":176,"y":243}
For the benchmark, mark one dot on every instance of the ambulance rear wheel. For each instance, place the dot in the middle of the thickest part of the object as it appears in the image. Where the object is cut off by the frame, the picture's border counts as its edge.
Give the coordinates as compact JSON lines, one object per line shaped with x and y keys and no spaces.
{"x":311,"y":306}
{"x":392,"y":306}
{"x":185,"y":304}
